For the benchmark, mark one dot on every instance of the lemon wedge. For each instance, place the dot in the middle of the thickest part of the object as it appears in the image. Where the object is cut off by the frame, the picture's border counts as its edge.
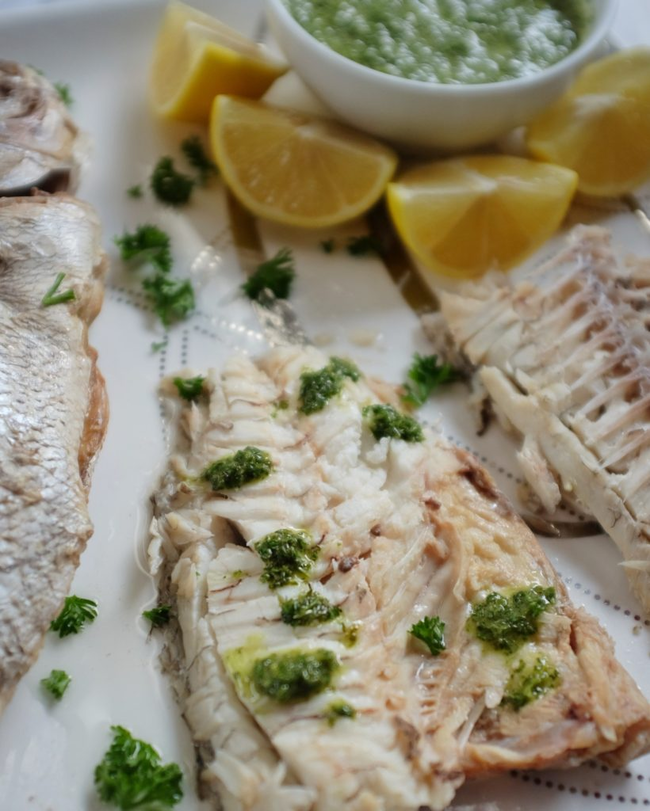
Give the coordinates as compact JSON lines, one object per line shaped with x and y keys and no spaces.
{"x":601,"y":126}
{"x":296,"y":168}
{"x":461,"y":217}
{"x":196,"y":57}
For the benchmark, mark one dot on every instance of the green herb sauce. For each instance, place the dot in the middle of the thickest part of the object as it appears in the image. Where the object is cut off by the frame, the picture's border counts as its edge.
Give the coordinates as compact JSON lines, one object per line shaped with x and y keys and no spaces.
{"x":339,"y":709}
{"x":318,"y":388}
{"x":288,"y":555}
{"x":528,"y":682}
{"x":448,"y":41}
{"x":240,"y":468}
{"x":384,"y":420}
{"x":308,"y":609}
{"x":294,"y":675}
{"x":505,"y":623}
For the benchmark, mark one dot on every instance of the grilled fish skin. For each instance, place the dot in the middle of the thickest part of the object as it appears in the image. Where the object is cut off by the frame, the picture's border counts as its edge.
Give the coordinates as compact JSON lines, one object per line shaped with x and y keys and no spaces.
{"x":53,"y":414}
{"x":40,"y":145}
{"x":565,"y":358}
{"x":404,"y":530}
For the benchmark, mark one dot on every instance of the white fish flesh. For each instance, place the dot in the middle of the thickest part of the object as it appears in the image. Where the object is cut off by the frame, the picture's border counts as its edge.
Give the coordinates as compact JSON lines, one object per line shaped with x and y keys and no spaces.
{"x":396,"y":531}
{"x":565,"y":358}
{"x":53,"y":414}
{"x":40,"y":145}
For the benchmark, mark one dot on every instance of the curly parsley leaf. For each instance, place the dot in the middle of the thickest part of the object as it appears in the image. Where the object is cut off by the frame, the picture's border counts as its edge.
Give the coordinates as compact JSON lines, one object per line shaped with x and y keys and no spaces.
{"x":169,"y":185}
{"x":276,"y":274}
{"x":158,"y":616}
{"x":198,"y":159}
{"x":189,"y":388}
{"x":64,"y":93}
{"x":172,"y":299}
{"x":431,"y":631}
{"x":364,"y":245}
{"x":56,"y":684}
{"x":131,"y":776}
{"x":425,"y":375}
{"x":147,"y":244}
{"x":77,"y":612}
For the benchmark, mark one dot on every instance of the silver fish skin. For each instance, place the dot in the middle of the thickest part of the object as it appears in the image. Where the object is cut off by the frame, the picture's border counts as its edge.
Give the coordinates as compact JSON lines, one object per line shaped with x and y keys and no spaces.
{"x":53,"y":414}
{"x":565,"y":357}
{"x":40,"y":145}
{"x":405,"y":530}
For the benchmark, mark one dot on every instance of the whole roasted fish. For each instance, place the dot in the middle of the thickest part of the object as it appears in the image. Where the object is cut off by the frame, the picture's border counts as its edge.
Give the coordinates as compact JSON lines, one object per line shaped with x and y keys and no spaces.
{"x":53,"y":414}
{"x":363,"y":621}
{"x":40,"y":145}
{"x":565,"y":358}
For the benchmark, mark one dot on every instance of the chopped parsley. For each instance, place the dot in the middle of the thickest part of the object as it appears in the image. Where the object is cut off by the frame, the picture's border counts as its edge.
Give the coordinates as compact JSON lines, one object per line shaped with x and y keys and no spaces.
{"x":135,"y":191}
{"x":168,"y":185}
{"x":364,"y":245}
{"x":56,"y":684}
{"x":172,"y":299}
{"x":431,"y":631}
{"x":505,"y":623}
{"x":529,"y":682}
{"x":318,"y":387}
{"x":189,"y":388}
{"x":156,"y":346}
{"x":339,"y":709}
{"x":131,"y":776}
{"x":77,"y":612}
{"x":237,"y":469}
{"x":158,"y":616}
{"x":308,"y":609}
{"x":52,"y":297}
{"x":424,"y":376}
{"x":64,"y":93}
{"x":328,"y":245}
{"x":386,"y":421}
{"x":198,"y":159}
{"x":294,"y":676}
{"x":350,"y":634}
{"x":288,"y":555}
{"x":276,"y":274}
{"x":147,"y":244}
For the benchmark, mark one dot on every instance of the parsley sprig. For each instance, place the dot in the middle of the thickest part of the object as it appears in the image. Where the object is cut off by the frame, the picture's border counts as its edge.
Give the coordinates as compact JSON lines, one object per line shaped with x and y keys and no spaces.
{"x":64,"y":93}
{"x":131,"y":775}
{"x":158,"y":616}
{"x":426,"y":375}
{"x":56,"y":684}
{"x":276,"y":274}
{"x":76,"y":612}
{"x":52,"y":297}
{"x":431,"y":631}
{"x":147,"y":244}
{"x":169,"y":185}
{"x":198,"y":159}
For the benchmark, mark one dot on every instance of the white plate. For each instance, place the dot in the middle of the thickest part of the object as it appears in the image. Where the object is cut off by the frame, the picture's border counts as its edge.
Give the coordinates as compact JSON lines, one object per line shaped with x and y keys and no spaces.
{"x":47,"y":754}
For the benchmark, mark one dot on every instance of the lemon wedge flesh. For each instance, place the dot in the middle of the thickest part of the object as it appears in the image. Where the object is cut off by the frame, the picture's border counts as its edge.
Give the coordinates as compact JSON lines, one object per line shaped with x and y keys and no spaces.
{"x":601,"y":126}
{"x":461,"y":217}
{"x":296,"y":168}
{"x":196,"y":57}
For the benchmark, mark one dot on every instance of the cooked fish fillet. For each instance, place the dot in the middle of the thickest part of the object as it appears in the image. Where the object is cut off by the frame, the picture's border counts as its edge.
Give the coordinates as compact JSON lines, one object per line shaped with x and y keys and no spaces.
{"x":404,"y":530}
{"x":40,"y":144}
{"x":53,"y":414}
{"x":565,"y":357}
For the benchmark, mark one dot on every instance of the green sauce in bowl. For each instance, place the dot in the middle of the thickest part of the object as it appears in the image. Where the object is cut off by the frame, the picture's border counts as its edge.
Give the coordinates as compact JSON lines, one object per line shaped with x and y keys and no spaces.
{"x":448,"y":41}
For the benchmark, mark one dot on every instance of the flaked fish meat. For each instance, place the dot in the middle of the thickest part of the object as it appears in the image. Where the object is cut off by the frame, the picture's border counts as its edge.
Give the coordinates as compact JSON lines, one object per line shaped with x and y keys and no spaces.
{"x":565,"y":358}
{"x":40,"y":145}
{"x":362,"y":621}
{"x":53,"y":414}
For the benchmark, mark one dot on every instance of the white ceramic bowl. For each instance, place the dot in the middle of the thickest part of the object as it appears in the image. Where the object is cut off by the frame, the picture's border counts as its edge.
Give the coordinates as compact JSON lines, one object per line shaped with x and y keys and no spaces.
{"x":422,"y":116}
